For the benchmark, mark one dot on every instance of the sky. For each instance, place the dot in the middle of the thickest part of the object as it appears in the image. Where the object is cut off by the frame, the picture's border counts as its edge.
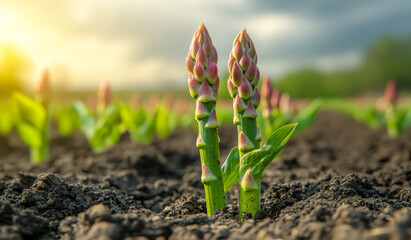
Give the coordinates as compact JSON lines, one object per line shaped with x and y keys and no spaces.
{"x":143,"y":44}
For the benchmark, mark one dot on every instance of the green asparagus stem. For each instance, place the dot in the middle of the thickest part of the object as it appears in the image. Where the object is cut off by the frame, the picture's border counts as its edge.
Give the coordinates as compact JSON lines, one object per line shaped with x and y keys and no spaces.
{"x":203,"y":85}
{"x":242,"y":84}
{"x":43,"y":96}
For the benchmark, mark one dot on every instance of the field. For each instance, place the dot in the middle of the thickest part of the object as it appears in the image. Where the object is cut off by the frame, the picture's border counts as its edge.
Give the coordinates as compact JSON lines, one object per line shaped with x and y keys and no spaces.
{"x":337,"y":180}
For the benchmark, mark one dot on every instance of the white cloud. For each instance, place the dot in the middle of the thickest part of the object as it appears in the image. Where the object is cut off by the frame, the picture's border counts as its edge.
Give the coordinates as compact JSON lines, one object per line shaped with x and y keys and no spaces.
{"x":268,"y":27}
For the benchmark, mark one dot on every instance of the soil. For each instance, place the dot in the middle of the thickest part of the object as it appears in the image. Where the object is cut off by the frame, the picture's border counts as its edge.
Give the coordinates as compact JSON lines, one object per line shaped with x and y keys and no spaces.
{"x":337,"y":180}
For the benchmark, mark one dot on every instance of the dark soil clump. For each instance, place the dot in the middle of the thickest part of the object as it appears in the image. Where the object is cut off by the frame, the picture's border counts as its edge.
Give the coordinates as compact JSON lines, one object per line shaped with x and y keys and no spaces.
{"x":337,"y":180}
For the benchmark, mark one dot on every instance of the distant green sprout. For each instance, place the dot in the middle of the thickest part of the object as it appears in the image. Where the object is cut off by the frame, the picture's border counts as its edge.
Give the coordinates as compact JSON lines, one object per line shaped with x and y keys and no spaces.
{"x":384,"y":113}
{"x":396,"y":119}
{"x":7,"y":118}
{"x":102,"y":128}
{"x":139,"y":121}
{"x":144,"y":122}
{"x":33,"y":120}
{"x":279,"y":109}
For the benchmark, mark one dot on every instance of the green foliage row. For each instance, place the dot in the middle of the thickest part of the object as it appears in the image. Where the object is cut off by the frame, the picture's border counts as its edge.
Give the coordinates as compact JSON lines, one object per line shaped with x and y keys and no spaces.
{"x":31,"y":120}
{"x":395,"y":119}
{"x":387,"y":58}
{"x":277,"y":118}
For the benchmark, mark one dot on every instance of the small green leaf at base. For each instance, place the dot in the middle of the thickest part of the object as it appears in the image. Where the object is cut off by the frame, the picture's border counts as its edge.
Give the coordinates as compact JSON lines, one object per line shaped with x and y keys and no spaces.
{"x":29,"y":135}
{"x":259,"y":159}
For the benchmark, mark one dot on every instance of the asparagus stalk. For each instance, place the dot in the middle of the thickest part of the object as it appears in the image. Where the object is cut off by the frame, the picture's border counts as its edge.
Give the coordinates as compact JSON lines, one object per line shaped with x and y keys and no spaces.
{"x":390,"y":101}
{"x":203,"y":85}
{"x":242,"y":85}
{"x":42,"y":92}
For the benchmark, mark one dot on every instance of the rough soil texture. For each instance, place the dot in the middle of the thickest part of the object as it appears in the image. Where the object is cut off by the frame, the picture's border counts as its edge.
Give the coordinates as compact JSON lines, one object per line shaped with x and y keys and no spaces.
{"x":337,"y":180}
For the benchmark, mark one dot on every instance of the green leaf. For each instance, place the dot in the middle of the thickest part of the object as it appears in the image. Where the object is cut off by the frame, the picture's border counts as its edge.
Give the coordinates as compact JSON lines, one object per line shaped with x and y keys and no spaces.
{"x":166,"y":122}
{"x":127,"y":117}
{"x":259,"y":159}
{"x":67,"y":120}
{"x":146,"y":132}
{"x":29,"y":111}
{"x":406,"y":122}
{"x":306,"y":117}
{"x":29,"y":135}
{"x":6,"y":119}
{"x":107,"y":129}
{"x":230,"y":169}
{"x":87,"y":121}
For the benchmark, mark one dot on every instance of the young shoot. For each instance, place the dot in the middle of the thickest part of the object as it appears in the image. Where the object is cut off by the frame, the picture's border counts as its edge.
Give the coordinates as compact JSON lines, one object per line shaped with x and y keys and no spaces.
{"x":33,"y":120}
{"x":203,"y":85}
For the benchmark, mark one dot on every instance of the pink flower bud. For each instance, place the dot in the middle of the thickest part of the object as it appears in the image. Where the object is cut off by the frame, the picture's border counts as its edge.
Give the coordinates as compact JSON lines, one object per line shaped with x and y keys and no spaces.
{"x":189,"y":64}
{"x":251,"y":71}
{"x":256,"y":78}
{"x":239,"y":104}
{"x":250,"y":111}
{"x":212,"y":71}
{"x":251,"y":52}
{"x":104,"y":95}
{"x":205,"y":93}
{"x":231,"y":89}
{"x":255,"y":99}
{"x":391,"y":93}
{"x":231,"y":61}
{"x":258,"y":136}
{"x":193,"y":86}
{"x":42,"y":89}
{"x":199,"y":71}
{"x":248,"y":183}
{"x":244,"y":144}
{"x":236,"y":75}
{"x":201,"y":111}
{"x":194,"y":48}
{"x":212,"y":120}
{"x":207,"y":175}
{"x":245,"y":90}
{"x":266,"y":89}
{"x":200,"y":142}
{"x":208,"y":46}
{"x":237,"y":51}
{"x":275,"y":98}
{"x":215,"y":86}
{"x":202,"y":57}
{"x":214,"y":56}
{"x":245,"y":62}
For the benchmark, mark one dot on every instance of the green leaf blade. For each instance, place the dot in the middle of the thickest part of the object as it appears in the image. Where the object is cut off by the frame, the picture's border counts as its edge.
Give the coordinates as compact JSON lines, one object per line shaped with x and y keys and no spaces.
{"x":259,"y":159}
{"x":29,"y":135}
{"x":29,"y":111}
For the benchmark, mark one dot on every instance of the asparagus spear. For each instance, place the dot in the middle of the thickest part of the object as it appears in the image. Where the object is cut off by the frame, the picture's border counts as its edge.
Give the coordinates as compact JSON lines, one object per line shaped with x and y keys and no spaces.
{"x":42,"y":92}
{"x":203,"y":85}
{"x":242,"y":84}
